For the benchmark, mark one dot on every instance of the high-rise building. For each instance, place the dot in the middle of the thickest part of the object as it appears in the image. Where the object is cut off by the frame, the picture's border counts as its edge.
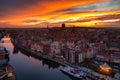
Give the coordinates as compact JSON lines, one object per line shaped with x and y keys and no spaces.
{"x":74,"y":56}
{"x":66,"y":53}
{"x":81,"y":57}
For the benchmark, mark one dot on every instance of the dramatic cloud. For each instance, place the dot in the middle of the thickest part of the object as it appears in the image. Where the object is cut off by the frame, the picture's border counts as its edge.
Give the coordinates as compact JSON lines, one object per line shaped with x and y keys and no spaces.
{"x":105,"y":18}
{"x":53,"y":12}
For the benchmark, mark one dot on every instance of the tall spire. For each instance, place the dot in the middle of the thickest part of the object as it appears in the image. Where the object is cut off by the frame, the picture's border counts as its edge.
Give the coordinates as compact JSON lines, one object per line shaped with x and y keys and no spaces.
{"x":47,"y":26}
{"x":63,"y":26}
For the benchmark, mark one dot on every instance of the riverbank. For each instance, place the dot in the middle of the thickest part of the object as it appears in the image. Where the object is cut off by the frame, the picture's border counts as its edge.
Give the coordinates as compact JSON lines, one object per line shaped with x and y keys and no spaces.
{"x":91,"y":73}
{"x":37,"y":54}
{"x":29,"y":67}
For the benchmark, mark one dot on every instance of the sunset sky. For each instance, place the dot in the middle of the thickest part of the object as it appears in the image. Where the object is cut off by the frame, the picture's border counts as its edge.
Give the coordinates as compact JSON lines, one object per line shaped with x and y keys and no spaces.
{"x":40,"y":13}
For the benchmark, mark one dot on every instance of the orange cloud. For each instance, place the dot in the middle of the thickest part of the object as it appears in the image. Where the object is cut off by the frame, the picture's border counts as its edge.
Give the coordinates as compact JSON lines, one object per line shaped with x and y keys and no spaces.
{"x":58,"y":11}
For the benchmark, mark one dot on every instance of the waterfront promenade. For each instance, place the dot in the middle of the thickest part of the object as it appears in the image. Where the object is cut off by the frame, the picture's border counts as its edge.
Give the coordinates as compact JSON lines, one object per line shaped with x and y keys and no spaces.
{"x":90,"y":73}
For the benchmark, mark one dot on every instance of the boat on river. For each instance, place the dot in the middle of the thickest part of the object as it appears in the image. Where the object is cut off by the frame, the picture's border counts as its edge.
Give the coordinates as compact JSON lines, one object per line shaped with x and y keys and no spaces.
{"x":7,"y":73}
{"x":4,"y":56}
{"x":75,"y":72}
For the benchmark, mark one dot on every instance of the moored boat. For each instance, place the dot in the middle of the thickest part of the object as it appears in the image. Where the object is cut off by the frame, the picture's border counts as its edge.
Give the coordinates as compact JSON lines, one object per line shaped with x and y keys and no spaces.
{"x":7,"y":73}
{"x":4,"y":56}
{"x":75,"y":72}
{"x":4,"y":50}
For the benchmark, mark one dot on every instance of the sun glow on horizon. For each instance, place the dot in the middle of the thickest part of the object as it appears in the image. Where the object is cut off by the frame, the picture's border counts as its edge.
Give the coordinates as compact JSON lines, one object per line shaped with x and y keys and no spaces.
{"x":72,"y":12}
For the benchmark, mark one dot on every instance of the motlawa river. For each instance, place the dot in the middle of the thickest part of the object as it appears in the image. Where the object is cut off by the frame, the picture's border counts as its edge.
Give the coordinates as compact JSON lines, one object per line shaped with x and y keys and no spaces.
{"x":27,"y":67}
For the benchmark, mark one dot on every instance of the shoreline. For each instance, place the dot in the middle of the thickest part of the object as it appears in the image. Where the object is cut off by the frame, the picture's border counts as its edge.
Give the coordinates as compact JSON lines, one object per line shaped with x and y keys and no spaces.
{"x":37,"y":54}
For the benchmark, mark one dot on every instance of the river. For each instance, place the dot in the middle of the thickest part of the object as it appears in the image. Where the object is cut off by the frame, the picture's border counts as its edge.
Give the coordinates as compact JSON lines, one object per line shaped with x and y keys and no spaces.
{"x":31,"y":68}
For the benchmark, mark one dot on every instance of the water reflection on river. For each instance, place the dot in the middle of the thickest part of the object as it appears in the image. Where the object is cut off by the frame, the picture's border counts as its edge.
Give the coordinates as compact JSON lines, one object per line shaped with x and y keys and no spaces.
{"x":32,"y":68}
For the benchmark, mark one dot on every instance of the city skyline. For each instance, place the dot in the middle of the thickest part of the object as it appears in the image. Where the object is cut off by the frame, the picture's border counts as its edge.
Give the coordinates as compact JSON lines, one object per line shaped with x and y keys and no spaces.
{"x":82,"y":13}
